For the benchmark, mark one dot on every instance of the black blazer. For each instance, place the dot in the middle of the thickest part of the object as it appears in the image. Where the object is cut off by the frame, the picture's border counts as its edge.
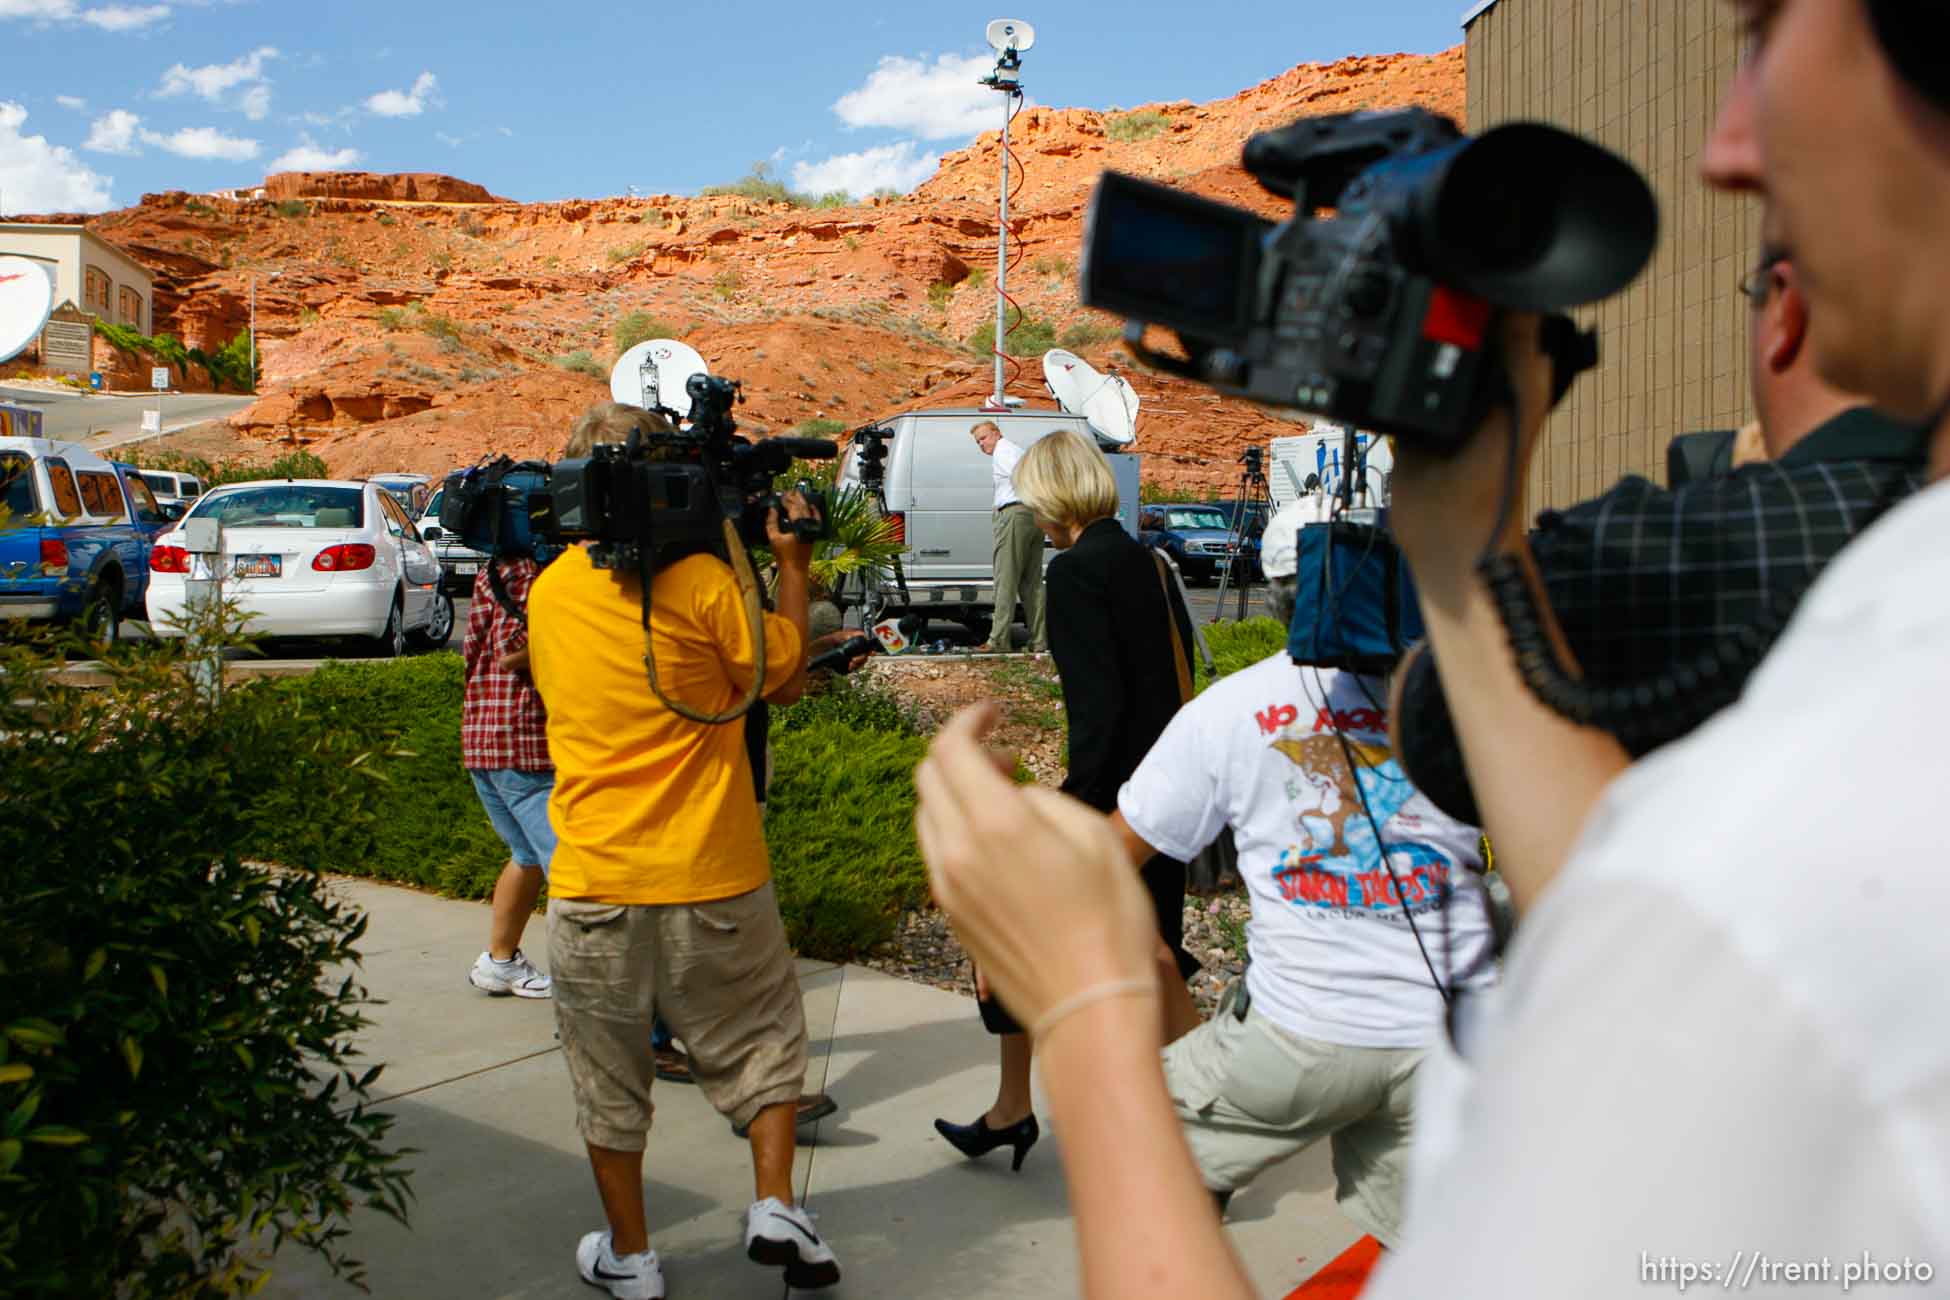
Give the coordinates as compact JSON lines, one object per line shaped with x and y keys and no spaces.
{"x":1108,"y":635}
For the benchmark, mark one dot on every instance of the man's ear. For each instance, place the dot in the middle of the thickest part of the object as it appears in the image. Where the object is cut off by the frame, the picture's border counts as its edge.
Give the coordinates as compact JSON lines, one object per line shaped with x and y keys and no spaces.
{"x":1787,"y":323}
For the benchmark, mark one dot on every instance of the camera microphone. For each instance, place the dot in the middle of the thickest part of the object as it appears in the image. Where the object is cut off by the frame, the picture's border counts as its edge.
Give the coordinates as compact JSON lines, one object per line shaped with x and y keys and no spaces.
{"x":886,"y":637}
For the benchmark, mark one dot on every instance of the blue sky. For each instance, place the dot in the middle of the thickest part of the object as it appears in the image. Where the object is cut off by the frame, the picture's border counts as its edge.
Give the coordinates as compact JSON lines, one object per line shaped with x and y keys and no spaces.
{"x":104,"y":100}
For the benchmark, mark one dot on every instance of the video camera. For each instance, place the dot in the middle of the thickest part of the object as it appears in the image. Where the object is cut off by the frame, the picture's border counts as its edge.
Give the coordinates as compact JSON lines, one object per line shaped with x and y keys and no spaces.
{"x":499,"y":507}
{"x":1381,"y":317}
{"x":669,"y":494}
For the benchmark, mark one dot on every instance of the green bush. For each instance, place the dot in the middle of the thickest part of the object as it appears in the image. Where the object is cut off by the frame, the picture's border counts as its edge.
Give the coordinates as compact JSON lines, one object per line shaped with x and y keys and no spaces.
{"x":639,"y":327}
{"x":292,"y":464}
{"x":760,"y":186}
{"x":1141,"y":125}
{"x":1239,"y":645}
{"x":1088,"y":334}
{"x":840,"y":825}
{"x":583,"y":363}
{"x":293,"y":208}
{"x":834,"y":199}
{"x":818,"y":428}
{"x":1029,"y":337}
{"x":176,"y":1072}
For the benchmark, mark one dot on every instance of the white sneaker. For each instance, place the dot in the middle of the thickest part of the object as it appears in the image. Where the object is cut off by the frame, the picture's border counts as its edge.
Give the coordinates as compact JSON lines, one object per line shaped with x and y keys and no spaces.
{"x":780,"y":1234}
{"x":517,"y":975}
{"x":632,"y":1277}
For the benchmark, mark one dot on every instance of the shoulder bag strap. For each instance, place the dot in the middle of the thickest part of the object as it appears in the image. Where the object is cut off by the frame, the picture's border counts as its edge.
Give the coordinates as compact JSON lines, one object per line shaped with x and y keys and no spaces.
{"x":1171,"y":630}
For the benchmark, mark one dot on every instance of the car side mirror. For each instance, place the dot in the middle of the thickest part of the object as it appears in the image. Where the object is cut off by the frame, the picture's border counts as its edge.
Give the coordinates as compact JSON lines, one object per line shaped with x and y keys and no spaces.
{"x":431,"y":533}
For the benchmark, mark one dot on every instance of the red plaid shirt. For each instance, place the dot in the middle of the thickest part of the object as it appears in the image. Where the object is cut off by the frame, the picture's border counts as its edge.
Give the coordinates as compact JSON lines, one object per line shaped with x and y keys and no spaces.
{"x":503,"y":725}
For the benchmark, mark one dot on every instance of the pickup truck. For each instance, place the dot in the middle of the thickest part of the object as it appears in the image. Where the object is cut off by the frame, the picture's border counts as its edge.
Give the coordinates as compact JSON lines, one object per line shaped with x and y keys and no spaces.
{"x":75,"y":542}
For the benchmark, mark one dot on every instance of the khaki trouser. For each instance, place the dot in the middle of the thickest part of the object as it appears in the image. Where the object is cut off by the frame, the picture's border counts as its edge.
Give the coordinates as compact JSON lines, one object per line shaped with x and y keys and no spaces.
{"x":1249,"y":1095}
{"x":1018,"y":576}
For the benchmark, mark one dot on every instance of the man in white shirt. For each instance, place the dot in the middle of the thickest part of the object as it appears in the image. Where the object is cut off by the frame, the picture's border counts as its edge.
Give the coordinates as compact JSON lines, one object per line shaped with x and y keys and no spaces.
{"x":1018,"y":549}
{"x":1720,"y":1053}
{"x":1366,"y":909}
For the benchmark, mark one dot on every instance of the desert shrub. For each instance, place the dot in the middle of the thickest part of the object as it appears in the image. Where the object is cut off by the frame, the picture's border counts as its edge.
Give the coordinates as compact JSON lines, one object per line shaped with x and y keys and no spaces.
{"x":583,"y":363}
{"x":292,"y":464}
{"x":1049,"y":264}
{"x":176,"y":1067}
{"x":470,"y":225}
{"x":385,"y":219}
{"x":1141,"y":125}
{"x":977,"y":278}
{"x":939,"y":293}
{"x":834,"y":199}
{"x":639,"y":326}
{"x":1029,"y":337}
{"x":1088,"y":334}
{"x":818,"y":427}
{"x":727,"y":283}
{"x":887,"y":192}
{"x":1239,"y":645}
{"x":840,"y":826}
{"x":760,"y":185}
{"x":625,"y":252}
{"x":293,"y":208}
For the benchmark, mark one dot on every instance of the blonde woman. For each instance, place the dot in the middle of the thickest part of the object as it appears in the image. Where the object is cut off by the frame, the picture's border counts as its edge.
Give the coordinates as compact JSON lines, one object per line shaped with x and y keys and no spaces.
{"x":1120,"y":639}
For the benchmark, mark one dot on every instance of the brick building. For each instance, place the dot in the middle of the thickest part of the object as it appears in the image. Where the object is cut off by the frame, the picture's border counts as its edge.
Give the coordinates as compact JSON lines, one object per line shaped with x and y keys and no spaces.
{"x":1644,"y":78}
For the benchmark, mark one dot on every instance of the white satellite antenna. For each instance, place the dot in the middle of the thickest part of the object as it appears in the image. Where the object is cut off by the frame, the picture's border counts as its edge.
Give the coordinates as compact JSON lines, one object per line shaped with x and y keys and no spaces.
{"x":653,"y":374}
{"x":1009,"y":37}
{"x":1107,"y":403}
{"x":26,"y":301}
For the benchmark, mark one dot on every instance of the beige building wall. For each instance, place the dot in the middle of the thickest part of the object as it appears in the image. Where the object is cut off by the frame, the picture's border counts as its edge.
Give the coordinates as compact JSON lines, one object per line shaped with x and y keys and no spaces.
{"x":1643,"y":78}
{"x":73,"y":252}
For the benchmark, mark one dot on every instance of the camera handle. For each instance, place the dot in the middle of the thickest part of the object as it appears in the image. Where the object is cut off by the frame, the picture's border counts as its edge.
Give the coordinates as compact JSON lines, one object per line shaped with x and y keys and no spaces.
{"x":741,"y":566}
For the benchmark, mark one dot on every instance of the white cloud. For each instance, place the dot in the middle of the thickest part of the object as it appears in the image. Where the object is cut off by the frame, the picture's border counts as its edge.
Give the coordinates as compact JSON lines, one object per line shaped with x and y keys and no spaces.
{"x":113,"y":132}
{"x":451,"y":141}
{"x":309,"y":157}
{"x":256,"y":102}
{"x":125,"y":18}
{"x":505,"y":130}
{"x":44,"y":10}
{"x":899,"y":166}
{"x":405,"y":103}
{"x":938,"y":101}
{"x":72,"y":103}
{"x":212,"y":80}
{"x":36,"y":176}
{"x":202,"y":142}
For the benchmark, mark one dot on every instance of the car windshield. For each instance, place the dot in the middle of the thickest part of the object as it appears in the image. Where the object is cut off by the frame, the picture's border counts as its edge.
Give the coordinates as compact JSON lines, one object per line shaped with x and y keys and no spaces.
{"x":433,"y":507}
{"x":285,"y":505}
{"x":1195,"y":519}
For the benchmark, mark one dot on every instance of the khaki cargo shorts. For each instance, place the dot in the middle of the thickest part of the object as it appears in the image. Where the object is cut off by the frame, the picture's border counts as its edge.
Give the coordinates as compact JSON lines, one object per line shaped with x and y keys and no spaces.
{"x":1250,"y":1094}
{"x":722,"y":978}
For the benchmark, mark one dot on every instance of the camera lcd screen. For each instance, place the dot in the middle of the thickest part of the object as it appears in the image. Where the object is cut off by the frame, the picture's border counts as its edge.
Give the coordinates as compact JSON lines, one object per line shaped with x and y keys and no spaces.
{"x":1169,"y":258}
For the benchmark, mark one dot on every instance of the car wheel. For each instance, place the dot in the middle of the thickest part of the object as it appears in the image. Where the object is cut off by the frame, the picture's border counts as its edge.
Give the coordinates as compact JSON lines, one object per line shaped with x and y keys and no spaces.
{"x":101,"y":611}
{"x":391,"y":643}
{"x":439,"y":628}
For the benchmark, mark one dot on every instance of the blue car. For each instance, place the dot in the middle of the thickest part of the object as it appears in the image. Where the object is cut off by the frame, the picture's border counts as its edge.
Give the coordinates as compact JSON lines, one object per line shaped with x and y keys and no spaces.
{"x":1197,"y":537}
{"x":75,"y":543}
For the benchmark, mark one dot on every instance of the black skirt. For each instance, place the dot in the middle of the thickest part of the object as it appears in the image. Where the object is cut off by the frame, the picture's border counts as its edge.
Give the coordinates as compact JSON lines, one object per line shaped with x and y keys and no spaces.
{"x":1164,"y":879}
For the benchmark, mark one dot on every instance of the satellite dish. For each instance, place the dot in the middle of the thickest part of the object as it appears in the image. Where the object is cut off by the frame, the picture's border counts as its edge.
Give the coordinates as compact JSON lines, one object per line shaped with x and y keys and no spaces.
{"x":654,"y":373}
{"x":1007,"y":34}
{"x":1109,"y":404}
{"x":26,"y":300}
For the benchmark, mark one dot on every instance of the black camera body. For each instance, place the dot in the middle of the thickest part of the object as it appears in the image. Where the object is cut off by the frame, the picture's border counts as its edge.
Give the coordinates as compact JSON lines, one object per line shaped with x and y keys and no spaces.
{"x":1383,"y":316}
{"x":499,"y":507}
{"x":665,"y":495}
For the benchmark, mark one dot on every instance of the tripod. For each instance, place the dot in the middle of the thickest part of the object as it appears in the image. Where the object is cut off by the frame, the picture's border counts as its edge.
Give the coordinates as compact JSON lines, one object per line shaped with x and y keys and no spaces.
{"x":1255,"y":500}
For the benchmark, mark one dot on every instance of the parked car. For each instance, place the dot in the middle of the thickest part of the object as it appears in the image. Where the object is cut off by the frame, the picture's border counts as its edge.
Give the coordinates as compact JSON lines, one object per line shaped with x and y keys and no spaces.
{"x":459,"y":562}
{"x":173,"y":491}
{"x":1197,"y":536}
{"x":940,"y":492}
{"x":314,"y":558}
{"x":410,"y":490}
{"x":79,"y":536}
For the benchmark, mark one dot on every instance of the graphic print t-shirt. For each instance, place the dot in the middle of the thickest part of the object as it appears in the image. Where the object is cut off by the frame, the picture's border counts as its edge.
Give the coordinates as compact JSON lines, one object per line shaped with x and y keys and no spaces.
{"x":1333,"y":957}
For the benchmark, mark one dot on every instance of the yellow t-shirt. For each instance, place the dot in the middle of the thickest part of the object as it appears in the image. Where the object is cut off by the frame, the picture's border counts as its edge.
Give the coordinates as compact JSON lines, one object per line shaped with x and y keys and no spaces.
{"x":650,"y":807}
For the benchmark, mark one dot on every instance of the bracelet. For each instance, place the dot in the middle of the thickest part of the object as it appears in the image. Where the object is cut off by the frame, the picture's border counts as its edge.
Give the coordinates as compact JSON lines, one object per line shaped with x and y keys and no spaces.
{"x":1095,"y":993}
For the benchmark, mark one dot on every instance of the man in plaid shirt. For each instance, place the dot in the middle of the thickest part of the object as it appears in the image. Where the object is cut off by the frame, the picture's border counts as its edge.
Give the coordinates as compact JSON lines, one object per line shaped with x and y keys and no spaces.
{"x":504,"y":746}
{"x":1643,"y":578}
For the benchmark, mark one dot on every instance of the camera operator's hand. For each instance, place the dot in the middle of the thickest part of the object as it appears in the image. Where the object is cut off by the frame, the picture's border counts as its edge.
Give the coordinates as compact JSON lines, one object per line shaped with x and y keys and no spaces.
{"x":1444,"y":507}
{"x":1013,"y":864}
{"x":787,"y":549}
{"x":821,"y":644}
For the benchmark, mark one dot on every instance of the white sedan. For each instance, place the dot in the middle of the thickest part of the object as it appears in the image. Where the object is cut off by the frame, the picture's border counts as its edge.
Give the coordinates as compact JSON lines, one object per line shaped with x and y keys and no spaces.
{"x":311,"y":558}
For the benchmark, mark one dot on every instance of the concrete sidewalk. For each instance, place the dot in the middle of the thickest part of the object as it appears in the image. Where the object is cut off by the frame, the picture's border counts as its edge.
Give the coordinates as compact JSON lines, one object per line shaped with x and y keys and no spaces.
{"x":503,"y":1189}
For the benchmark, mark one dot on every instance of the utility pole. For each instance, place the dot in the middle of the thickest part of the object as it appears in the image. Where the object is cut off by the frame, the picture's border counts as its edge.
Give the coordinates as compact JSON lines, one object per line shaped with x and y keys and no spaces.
{"x":1009,"y":38}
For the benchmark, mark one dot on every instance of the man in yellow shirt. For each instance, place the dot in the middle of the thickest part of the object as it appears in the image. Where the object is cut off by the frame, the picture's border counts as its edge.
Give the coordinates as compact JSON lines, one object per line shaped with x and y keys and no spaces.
{"x":661,"y":894}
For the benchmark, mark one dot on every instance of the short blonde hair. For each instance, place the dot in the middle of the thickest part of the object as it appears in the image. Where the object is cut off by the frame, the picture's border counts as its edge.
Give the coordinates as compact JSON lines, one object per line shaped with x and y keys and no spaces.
{"x":1064,"y":479}
{"x":611,"y":422}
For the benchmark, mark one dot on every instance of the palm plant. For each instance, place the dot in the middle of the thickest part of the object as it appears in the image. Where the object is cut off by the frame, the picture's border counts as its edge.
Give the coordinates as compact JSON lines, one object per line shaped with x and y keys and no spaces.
{"x":864,"y":541}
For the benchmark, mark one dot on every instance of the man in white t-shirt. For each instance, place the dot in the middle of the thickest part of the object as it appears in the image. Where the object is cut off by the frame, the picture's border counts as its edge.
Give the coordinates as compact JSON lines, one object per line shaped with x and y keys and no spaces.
{"x":1018,"y":548}
{"x":1350,"y":947}
{"x":1721,"y":1051}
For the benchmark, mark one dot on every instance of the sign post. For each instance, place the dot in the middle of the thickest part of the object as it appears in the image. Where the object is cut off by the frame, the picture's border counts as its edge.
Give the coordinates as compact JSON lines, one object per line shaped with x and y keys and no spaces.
{"x":68,"y":340}
{"x":203,"y":587}
{"x":158,"y":380}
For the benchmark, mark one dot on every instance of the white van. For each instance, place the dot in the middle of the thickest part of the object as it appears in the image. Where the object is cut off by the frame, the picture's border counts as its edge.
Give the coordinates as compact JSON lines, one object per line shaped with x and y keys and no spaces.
{"x":173,"y":491}
{"x":939,"y":487}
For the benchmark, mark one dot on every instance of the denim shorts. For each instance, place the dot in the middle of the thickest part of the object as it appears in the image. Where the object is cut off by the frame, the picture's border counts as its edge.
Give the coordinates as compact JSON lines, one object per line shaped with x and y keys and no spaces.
{"x":517,"y":804}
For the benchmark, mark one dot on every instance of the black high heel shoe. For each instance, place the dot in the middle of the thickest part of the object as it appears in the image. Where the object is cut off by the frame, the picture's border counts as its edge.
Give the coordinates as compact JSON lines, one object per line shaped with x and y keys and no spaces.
{"x":978,"y":1139}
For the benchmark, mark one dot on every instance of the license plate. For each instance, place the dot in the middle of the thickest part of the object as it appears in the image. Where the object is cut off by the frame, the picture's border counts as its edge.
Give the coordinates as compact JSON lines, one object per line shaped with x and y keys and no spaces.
{"x":258,"y":566}
{"x":467,"y":570}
